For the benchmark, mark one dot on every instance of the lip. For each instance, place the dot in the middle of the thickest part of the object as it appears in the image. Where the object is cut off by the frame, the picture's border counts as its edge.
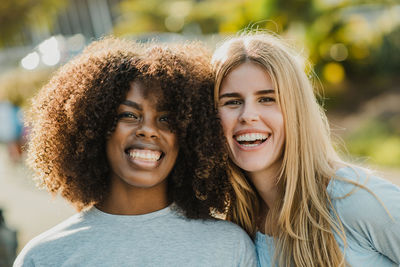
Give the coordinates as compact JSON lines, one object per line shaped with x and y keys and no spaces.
{"x":247,"y":131}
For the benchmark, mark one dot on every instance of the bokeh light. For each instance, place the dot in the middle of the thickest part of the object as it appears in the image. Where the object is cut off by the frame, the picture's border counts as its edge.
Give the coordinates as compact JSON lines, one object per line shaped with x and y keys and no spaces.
{"x":76,"y":42}
{"x":30,"y":61}
{"x":333,"y":72}
{"x":174,"y":23}
{"x":338,"y":52}
{"x":50,"y":51}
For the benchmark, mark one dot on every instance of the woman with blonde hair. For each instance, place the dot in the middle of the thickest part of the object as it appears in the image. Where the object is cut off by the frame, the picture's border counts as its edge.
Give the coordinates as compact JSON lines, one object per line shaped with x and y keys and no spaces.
{"x":301,"y":203}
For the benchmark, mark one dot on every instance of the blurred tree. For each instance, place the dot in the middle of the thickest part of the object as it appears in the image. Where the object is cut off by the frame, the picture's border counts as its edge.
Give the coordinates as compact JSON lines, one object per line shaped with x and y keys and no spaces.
{"x":17,"y":15}
{"x":19,"y":85}
{"x":346,"y":40}
{"x":142,"y":16}
{"x":187,"y":16}
{"x":354,"y":46}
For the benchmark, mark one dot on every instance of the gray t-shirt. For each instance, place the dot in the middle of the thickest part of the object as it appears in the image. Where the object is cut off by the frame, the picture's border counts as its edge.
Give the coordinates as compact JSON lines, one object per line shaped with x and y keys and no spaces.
{"x":161,"y":238}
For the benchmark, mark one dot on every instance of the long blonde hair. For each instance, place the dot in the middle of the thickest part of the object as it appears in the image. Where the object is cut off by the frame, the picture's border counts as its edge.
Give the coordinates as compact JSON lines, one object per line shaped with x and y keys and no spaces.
{"x":300,"y":222}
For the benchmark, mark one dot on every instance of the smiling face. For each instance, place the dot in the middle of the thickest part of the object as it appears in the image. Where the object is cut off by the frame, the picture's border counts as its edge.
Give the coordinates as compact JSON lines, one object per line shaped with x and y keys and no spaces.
{"x":251,"y":119}
{"x":142,"y":150}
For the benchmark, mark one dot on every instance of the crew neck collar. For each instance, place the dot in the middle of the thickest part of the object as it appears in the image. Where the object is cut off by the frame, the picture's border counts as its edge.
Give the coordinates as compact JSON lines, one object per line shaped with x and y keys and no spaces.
{"x":129,"y":218}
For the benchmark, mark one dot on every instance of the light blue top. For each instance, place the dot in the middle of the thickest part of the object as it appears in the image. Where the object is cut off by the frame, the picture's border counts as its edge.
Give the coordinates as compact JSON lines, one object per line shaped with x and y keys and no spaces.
{"x":161,"y":238}
{"x":373,"y":237}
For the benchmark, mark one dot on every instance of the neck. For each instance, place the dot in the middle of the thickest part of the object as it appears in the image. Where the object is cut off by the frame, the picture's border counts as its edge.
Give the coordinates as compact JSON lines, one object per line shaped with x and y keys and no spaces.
{"x":134,"y":200}
{"x":265,"y":182}
{"x":267,"y":189}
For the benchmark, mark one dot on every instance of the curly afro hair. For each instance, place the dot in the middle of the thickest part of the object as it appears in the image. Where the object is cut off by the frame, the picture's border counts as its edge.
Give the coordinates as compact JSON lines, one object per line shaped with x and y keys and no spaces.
{"x":73,"y":115}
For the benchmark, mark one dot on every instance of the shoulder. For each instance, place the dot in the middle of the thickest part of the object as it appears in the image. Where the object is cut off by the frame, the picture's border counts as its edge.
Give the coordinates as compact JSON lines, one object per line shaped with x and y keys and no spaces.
{"x":47,"y":242}
{"x":357,"y":195}
{"x":234,"y":240}
{"x":228,"y":230}
{"x":221,"y":232}
{"x":216,"y":228}
{"x":213,"y":237}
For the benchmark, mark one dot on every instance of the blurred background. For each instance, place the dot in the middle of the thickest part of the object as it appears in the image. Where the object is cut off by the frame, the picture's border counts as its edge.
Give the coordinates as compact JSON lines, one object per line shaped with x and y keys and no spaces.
{"x":354,"y":47}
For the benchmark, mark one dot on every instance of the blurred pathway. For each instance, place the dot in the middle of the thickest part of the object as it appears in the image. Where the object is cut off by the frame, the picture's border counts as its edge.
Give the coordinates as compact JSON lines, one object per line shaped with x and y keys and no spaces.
{"x":27,"y":209}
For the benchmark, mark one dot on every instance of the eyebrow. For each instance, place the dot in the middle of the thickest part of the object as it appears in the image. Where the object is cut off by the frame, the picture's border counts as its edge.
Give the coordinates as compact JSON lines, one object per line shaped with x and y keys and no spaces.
{"x":261,"y":92}
{"x":139,"y":107}
{"x":132,"y":104}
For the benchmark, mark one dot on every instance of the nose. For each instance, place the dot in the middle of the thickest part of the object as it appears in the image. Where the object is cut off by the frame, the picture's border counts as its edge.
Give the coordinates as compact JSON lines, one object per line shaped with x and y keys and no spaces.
{"x":148,"y":130}
{"x":248,"y":114}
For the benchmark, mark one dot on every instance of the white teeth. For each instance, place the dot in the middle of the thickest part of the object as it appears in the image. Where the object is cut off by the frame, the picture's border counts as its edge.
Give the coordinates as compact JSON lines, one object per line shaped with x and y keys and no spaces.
{"x":251,"y":137}
{"x":144,"y":154}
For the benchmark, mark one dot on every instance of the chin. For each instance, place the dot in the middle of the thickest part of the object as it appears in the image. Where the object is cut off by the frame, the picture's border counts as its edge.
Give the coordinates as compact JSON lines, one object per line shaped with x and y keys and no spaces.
{"x":249,"y":166}
{"x":143,"y":183}
{"x":252,"y":169}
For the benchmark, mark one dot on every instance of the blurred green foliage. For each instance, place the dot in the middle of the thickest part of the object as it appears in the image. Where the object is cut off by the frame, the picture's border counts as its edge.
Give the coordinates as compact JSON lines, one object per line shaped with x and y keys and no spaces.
{"x":17,"y":15}
{"x":354,"y":46}
{"x":376,"y":141}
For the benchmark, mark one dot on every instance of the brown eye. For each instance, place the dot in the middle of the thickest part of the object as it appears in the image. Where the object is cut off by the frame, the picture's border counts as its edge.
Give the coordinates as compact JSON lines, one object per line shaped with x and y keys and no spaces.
{"x":164,"y":119}
{"x":128,"y":116}
{"x":233,"y":102}
{"x":266,"y":99}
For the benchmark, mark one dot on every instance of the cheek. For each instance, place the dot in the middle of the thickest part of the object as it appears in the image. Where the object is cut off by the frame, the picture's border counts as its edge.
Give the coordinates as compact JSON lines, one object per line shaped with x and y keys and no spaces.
{"x":175,"y":148}
{"x":275,"y":118}
{"x":172,"y":143}
{"x":110,"y":143}
{"x":279,"y":125}
{"x":111,"y":147}
{"x":114,"y":141}
{"x":111,"y":156}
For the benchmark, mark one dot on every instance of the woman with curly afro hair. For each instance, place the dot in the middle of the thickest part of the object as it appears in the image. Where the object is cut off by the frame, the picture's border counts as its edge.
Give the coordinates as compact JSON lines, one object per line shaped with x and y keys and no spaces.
{"x":128,"y":134}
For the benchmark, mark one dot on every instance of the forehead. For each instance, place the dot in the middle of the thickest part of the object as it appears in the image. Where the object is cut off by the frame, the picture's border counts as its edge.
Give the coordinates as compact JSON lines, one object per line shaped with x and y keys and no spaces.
{"x":148,"y":92}
{"x":248,"y":76}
